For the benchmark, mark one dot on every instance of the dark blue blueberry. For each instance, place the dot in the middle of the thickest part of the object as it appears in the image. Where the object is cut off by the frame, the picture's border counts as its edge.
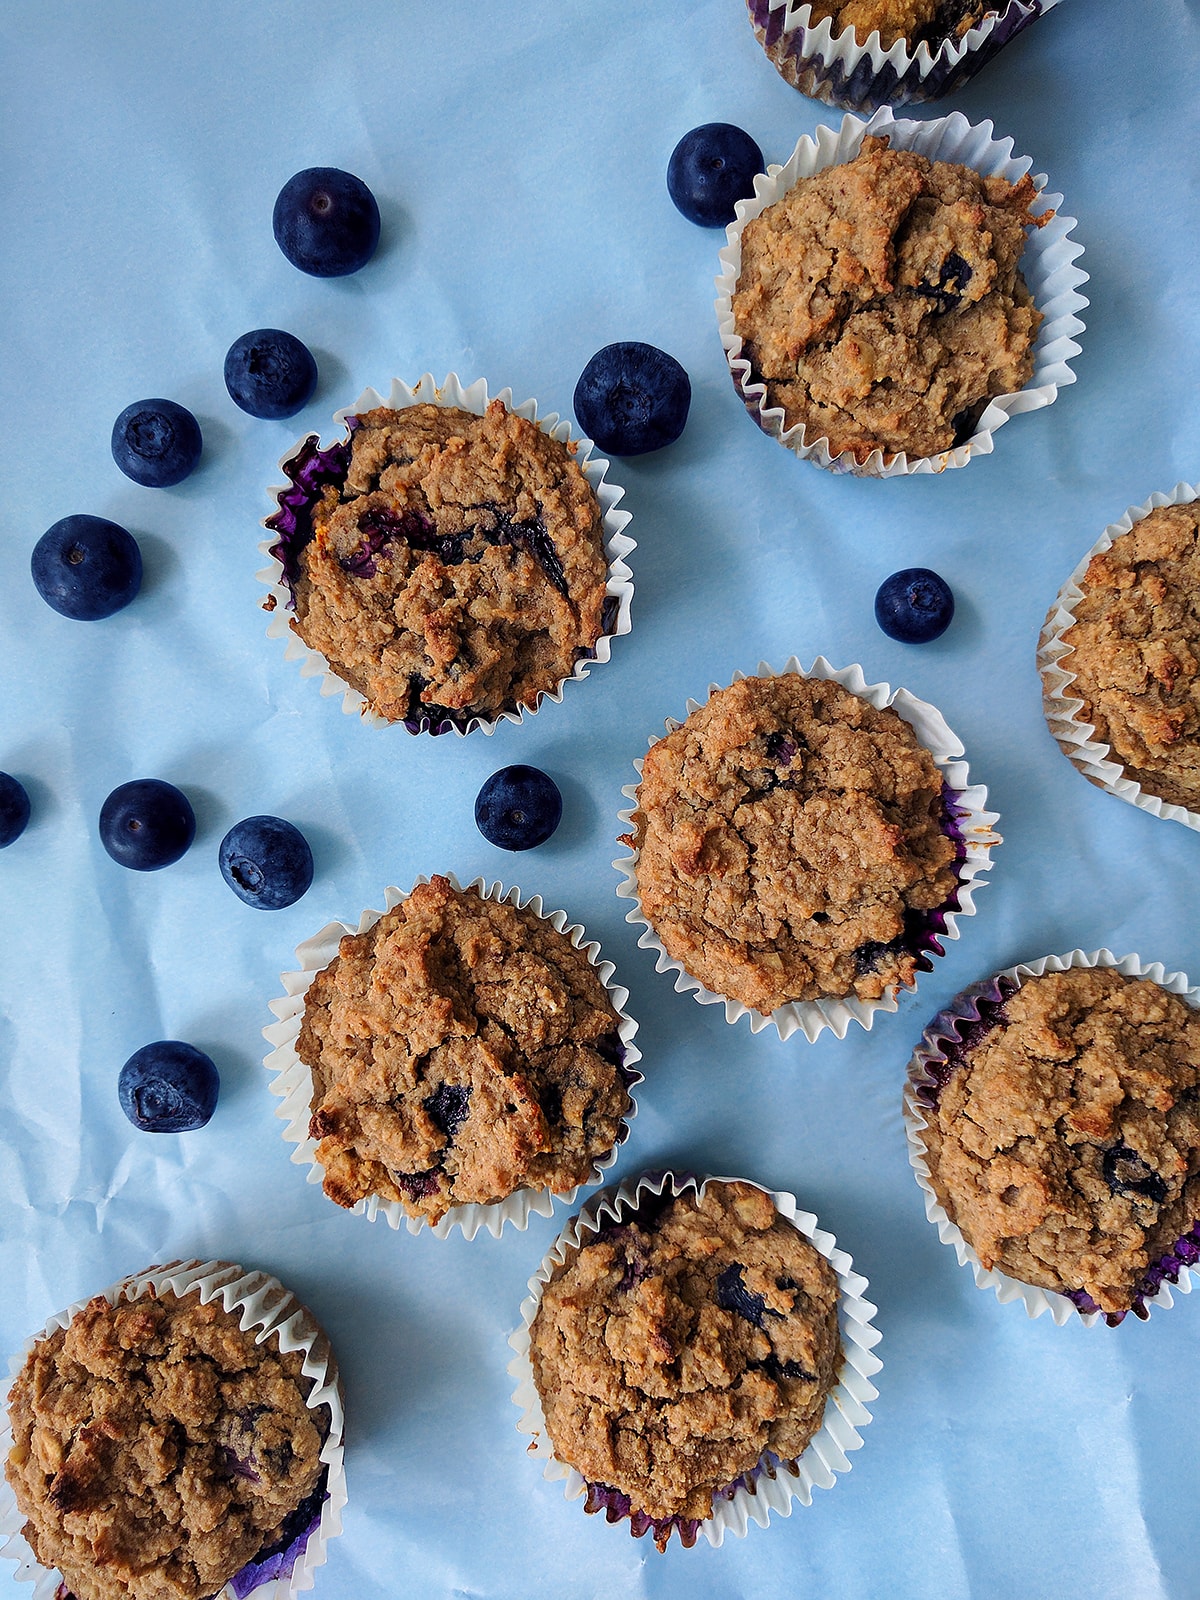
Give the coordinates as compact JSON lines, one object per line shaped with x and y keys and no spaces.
{"x":914,"y":605}
{"x":168,"y":1087}
{"x":632,"y":398}
{"x":146,"y":824}
{"x":733,"y":1295}
{"x":270,"y":374}
{"x":953,"y":277}
{"x":14,"y":809}
{"x":326,"y":222}
{"x":710,"y":170}
{"x":86,"y":567}
{"x":518,"y":808}
{"x":1126,"y":1173}
{"x":448,"y":1106}
{"x":266,"y":862}
{"x":156,"y":443}
{"x":777,"y":1369}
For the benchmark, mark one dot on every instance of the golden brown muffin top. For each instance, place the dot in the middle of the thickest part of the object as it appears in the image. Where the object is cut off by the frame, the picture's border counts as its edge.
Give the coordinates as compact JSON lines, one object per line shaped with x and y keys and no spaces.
{"x":881,"y":301}
{"x":672,"y":1351}
{"x":158,"y":1448}
{"x":790,"y":840}
{"x":1135,"y":652}
{"x":1067,"y":1148}
{"x":460,"y":1049}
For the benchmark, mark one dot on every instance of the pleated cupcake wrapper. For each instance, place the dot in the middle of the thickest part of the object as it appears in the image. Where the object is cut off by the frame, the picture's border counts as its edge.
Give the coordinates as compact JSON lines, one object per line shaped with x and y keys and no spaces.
{"x":291,"y":1079}
{"x":1064,"y":710}
{"x":974,"y":822}
{"x":473,"y":397}
{"x":773,"y":1484}
{"x":272,"y":1313}
{"x":944,"y":1034}
{"x":1048,"y":266}
{"x":834,"y":67}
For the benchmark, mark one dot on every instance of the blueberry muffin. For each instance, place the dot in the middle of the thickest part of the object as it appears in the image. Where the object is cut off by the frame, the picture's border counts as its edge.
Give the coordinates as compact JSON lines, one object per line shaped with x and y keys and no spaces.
{"x":158,"y":1449}
{"x":672,"y":1350}
{"x":795,"y":843}
{"x":881,"y":301}
{"x":447,"y":566}
{"x":1063,"y":1133}
{"x":460,"y":1049}
{"x":1135,"y":652}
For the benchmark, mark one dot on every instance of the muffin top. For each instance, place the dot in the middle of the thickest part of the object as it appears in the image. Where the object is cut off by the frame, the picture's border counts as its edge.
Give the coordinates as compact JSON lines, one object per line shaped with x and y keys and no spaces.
{"x":455,"y":569}
{"x":460,"y":1049}
{"x":791,"y":843}
{"x":1136,"y":652}
{"x":881,"y":302}
{"x":671,"y":1351}
{"x":157,"y":1448}
{"x":1066,"y":1147}
{"x":913,"y":20}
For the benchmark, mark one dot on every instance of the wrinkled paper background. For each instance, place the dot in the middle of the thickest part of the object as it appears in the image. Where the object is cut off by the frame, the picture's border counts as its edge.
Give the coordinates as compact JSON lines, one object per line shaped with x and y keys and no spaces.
{"x":518,"y":154}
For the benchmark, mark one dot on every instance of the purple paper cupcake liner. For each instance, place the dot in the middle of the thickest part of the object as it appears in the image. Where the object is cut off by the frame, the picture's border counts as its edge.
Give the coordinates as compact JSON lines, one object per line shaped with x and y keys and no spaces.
{"x":835,"y":68}
{"x":285,"y":1566}
{"x":945,"y":1048}
{"x":772,"y":1484}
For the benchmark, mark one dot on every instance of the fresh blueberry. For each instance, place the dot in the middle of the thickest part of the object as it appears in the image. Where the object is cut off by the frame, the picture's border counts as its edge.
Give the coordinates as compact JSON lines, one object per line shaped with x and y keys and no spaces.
{"x":266,"y":862}
{"x":517,"y":808}
{"x":270,"y":373}
{"x":914,"y":605}
{"x":156,"y":443}
{"x":710,"y":170}
{"x":146,"y":824}
{"x":168,"y":1087}
{"x":632,"y":398}
{"x":86,"y":567}
{"x":14,"y":809}
{"x":326,"y":222}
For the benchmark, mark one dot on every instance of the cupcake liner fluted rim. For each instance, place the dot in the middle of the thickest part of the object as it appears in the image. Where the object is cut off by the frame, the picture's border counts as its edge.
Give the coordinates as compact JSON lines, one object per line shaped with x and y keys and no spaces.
{"x":1048,"y":265}
{"x":1075,"y":736}
{"x":774,"y":1485}
{"x":291,"y":1079}
{"x":473,"y":397}
{"x":942,"y":1032}
{"x":831,"y":65}
{"x":975,"y":822}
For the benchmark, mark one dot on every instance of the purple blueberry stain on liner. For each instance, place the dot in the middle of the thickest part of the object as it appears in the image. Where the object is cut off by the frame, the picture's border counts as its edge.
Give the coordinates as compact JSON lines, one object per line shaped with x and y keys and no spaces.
{"x":958,"y":1035}
{"x":310,"y":470}
{"x":865,"y":89}
{"x":278,"y":1558}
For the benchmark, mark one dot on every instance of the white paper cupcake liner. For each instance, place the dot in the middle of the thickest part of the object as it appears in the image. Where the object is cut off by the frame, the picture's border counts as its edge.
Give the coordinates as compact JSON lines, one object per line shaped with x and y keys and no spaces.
{"x":946,"y":1031}
{"x":835,"y":68}
{"x":774,"y":1485}
{"x":291,"y":1080}
{"x":266,"y":1306}
{"x":1064,"y":710}
{"x":975,"y":823}
{"x":1048,"y":266}
{"x":473,"y":397}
